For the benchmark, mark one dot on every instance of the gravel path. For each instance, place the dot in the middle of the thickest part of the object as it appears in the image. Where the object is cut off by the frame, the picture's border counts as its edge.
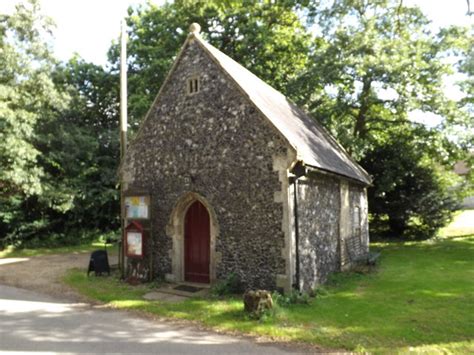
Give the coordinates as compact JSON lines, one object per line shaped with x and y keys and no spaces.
{"x":43,"y":273}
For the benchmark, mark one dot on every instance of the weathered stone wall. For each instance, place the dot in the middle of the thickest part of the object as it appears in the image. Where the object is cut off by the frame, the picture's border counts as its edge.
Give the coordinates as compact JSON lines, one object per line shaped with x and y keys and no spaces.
{"x":322,"y":249}
{"x":318,"y":203}
{"x":215,"y":144}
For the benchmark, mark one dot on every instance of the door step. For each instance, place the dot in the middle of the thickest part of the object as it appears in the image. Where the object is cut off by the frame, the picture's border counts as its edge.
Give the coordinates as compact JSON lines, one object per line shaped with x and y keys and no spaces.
{"x":185,"y":289}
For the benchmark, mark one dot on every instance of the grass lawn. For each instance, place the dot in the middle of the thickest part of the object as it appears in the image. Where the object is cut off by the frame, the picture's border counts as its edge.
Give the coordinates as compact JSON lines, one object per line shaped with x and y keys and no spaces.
{"x":11,"y":252}
{"x":421,"y":298}
{"x":462,"y":224}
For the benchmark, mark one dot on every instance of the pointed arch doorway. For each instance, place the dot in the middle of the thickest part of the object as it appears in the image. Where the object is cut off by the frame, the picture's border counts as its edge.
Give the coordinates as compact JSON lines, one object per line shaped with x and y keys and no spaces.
{"x":197,"y":243}
{"x":176,"y":230}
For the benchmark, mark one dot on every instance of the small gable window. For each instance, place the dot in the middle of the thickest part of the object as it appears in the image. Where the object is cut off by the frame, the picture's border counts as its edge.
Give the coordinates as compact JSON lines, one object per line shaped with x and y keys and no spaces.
{"x":193,"y":85}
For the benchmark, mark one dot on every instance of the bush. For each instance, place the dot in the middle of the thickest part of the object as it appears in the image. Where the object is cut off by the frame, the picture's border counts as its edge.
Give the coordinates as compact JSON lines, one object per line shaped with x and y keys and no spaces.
{"x":409,"y":198}
{"x":230,"y":286}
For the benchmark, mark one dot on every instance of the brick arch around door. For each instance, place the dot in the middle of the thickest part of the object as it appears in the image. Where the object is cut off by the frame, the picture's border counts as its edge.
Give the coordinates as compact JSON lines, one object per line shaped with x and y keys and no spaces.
{"x":193,"y":228}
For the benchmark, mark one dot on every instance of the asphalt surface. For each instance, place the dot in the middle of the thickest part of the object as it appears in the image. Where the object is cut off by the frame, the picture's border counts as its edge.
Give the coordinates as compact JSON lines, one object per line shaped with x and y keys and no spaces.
{"x":32,"y":322}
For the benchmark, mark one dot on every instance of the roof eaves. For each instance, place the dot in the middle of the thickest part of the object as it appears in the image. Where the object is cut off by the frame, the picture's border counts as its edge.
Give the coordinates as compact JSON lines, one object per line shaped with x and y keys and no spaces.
{"x":341,"y":176}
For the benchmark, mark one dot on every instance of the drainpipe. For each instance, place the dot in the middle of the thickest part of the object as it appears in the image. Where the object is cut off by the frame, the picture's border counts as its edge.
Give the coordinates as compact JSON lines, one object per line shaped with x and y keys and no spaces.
{"x":298,"y":171}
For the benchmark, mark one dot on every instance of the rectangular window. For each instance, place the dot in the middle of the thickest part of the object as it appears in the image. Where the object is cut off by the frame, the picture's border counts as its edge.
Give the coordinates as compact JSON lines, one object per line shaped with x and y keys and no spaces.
{"x":193,"y":85}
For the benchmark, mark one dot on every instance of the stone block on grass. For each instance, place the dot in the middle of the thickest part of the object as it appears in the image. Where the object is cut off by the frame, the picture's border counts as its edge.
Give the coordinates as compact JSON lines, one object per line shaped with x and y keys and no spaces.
{"x":257,"y":302}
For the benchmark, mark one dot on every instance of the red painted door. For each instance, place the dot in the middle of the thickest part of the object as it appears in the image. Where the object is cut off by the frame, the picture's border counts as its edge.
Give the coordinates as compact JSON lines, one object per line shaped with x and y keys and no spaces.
{"x":197,"y":246}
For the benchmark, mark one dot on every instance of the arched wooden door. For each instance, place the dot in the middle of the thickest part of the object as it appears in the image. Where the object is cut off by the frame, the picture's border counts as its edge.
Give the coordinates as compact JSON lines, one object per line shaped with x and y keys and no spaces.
{"x":197,"y":245}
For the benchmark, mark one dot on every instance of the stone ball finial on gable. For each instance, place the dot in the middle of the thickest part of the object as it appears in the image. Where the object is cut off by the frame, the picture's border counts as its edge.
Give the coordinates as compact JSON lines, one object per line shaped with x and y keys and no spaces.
{"x":195,"y":28}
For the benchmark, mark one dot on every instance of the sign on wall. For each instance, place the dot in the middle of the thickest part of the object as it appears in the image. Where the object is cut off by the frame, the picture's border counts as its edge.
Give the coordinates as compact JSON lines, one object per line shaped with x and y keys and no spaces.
{"x":134,"y":240}
{"x":137,"y":207}
{"x":134,"y":244}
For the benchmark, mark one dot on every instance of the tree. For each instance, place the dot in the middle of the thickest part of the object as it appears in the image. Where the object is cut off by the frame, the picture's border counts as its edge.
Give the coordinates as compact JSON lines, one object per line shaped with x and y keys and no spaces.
{"x":27,"y":96}
{"x":359,"y":66}
{"x":374,"y":63}
{"x":409,"y":197}
{"x":466,"y":66}
{"x":59,"y":146}
{"x":369,"y":65}
{"x":84,"y":139}
{"x":266,"y":37}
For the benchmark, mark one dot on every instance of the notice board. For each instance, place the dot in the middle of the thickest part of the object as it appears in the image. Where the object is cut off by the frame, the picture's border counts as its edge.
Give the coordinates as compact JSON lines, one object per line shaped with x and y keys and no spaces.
{"x":137,"y":207}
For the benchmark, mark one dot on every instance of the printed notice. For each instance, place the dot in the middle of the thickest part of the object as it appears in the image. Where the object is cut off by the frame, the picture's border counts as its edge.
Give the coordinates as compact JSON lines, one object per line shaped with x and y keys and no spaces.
{"x":137,"y":207}
{"x":134,"y":244}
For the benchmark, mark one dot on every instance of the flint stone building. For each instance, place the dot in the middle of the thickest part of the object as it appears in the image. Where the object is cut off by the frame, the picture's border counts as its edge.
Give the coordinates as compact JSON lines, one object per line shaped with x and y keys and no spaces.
{"x":242,"y":181}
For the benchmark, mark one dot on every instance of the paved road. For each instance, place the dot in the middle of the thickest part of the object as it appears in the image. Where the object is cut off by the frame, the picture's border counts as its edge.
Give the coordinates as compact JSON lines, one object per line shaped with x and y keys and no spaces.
{"x":32,"y":322}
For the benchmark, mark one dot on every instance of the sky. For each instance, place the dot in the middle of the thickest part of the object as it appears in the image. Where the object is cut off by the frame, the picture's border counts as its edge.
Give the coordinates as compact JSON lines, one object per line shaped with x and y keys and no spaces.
{"x":88,"y":27}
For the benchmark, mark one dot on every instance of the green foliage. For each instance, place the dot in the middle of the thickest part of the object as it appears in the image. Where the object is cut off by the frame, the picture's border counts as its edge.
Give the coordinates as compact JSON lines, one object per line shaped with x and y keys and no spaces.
{"x":85,"y":143}
{"x":230,"y":286}
{"x":266,"y":37}
{"x":466,"y":67}
{"x":408,"y":198}
{"x":293,"y":297}
{"x":361,"y":67}
{"x":28,"y":98}
{"x":265,"y":315}
{"x":373,"y":64}
{"x":367,"y":67}
{"x":57,"y":140}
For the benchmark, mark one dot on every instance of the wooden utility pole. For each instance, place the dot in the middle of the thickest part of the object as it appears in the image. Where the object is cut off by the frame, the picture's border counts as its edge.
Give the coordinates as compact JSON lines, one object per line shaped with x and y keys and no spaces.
{"x":123,"y":131}
{"x":123,"y":90}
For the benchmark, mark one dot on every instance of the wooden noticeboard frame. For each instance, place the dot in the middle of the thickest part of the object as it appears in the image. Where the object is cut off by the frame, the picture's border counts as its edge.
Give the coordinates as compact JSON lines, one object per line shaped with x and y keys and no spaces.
{"x":137,"y":243}
{"x":142,"y":199}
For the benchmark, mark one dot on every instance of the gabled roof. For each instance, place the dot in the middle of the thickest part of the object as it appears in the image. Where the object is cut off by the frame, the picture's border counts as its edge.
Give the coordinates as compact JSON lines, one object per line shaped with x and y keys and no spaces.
{"x":313,"y":144}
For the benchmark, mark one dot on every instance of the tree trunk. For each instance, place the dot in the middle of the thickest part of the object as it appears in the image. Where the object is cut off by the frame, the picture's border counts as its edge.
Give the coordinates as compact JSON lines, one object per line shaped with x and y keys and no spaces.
{"x":361,"y":120}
